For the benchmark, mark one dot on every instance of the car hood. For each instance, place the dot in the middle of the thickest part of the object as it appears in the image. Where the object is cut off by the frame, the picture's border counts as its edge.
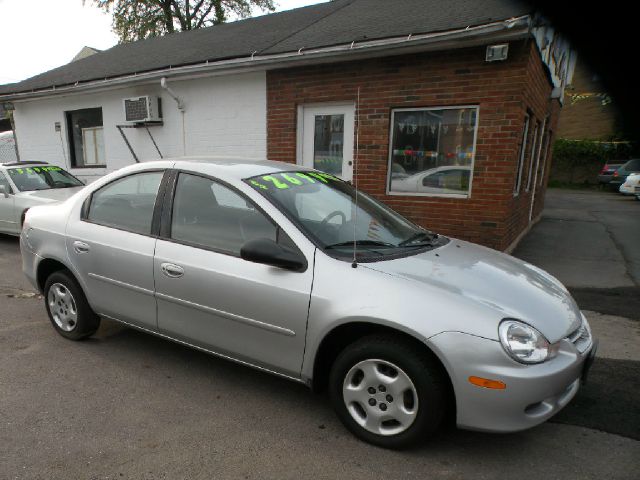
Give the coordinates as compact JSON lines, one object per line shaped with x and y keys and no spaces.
{"x":511,"y":287}
{"x":51,"y":195}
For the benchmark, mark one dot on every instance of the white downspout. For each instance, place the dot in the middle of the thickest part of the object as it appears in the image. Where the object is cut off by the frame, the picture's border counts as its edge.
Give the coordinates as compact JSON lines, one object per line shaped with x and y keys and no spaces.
{"x":180,"y":103}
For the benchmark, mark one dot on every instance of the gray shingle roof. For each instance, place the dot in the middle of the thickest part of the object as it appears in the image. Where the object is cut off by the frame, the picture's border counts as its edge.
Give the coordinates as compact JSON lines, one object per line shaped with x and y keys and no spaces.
{"x":332,"y":23}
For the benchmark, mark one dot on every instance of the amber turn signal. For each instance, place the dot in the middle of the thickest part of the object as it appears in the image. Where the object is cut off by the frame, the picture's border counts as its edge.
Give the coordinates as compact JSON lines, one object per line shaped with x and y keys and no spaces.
{"x":487,"y":383}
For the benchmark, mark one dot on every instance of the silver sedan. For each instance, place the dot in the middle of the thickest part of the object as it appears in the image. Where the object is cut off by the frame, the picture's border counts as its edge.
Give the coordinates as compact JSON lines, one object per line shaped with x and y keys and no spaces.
{"x":291,"y":271}
{"x":27,"y":184}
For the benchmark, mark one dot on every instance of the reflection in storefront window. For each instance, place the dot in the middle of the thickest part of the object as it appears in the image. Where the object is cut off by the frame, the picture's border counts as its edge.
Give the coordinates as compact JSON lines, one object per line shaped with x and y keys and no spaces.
{"x":432,"y":150}
{"x":328,"y":143}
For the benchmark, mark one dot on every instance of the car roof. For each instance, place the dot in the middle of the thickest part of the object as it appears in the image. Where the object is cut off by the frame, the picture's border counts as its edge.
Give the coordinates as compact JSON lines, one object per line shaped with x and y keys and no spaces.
{"x":233,"y":167}
{"x":442,"y":168}
{"x":18,"y":164}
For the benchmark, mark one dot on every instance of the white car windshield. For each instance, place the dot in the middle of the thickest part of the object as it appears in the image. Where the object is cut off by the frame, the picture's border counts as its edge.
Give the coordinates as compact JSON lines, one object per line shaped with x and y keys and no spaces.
{"x":324,"y":207}
{"x":43,"y":177}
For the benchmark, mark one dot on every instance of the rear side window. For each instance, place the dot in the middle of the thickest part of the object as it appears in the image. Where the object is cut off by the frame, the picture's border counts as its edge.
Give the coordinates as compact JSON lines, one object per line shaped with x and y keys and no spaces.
{"x":633,"y":165}
{"x":5,"y":183}
{"x":211,"y":215}
{"x":127,"y":204}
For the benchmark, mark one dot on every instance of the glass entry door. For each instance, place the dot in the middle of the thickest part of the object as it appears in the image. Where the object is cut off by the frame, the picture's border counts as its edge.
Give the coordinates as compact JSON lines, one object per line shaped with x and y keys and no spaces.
{"x":327,"y":139}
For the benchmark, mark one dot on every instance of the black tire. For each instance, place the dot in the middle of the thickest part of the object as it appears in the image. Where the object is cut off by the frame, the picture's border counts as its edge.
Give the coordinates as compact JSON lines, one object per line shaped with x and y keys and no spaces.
{"x":86,"y":321}
{"x":423,"y":371}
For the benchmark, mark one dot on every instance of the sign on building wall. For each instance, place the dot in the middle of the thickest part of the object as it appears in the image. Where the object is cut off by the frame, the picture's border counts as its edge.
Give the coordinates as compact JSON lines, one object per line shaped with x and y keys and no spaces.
{"x":557,"y":55}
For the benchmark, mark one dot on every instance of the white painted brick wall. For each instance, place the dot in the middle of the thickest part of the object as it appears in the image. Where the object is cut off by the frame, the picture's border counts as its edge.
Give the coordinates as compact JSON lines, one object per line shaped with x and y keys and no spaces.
{"x":224,"y":115}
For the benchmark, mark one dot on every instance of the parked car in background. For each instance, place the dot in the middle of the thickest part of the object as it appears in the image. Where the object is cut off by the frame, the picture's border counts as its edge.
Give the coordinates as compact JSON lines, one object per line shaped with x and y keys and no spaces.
{"x":279,"y":267}
{"x":26,"y":184}
{"x":606,"y":174}
{"x":448,"y":179}
{"x":631,"y":186}
{"x":621,"y":174}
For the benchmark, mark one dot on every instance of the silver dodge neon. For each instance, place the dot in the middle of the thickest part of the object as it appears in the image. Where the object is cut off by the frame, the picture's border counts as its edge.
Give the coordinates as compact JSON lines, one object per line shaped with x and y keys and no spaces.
{"x":294,"y":272}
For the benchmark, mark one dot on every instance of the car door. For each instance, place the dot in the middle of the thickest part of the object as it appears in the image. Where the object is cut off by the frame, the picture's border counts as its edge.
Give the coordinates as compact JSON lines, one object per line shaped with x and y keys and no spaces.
{"x":112,"y":245}
{"x":8,"y":222}
{"x":210,"y":297}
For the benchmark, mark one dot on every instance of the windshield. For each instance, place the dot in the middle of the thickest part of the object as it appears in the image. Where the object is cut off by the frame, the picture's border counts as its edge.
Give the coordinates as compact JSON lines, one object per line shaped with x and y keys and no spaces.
{"x":46,"y":177}
{"x":324,"y":207}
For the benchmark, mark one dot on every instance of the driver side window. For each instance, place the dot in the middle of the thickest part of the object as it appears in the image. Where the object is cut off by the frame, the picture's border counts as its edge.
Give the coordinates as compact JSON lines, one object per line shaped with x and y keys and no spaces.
{"x":211,"y":215}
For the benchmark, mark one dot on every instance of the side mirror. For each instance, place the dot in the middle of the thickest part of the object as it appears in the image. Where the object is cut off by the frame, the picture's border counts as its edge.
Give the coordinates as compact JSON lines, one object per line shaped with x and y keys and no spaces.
{"x":4,"y":191}
{"x":268,"y":252}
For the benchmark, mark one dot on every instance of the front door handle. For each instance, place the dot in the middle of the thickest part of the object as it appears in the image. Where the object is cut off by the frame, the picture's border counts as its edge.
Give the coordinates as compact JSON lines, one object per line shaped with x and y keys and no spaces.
{"x":81,"y":247}
{"x":172,"y":270}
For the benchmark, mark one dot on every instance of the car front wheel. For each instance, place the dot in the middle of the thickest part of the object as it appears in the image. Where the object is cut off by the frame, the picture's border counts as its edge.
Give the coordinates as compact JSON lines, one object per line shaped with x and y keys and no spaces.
{"x":387,"y":391}
{"x":68,"y":308}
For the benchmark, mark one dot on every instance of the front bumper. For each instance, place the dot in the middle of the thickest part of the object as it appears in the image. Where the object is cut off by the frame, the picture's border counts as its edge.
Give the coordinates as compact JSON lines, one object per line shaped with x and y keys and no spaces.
{"x":30,"y":260}
{"x":628,"y":189}
{"x":533,"y":393}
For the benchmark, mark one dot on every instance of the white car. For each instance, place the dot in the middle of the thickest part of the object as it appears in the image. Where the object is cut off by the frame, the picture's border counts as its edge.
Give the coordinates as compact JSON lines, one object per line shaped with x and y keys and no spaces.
{"x":631,"y":186}
{"x":26,"y":184}
{"x":446,"y":179}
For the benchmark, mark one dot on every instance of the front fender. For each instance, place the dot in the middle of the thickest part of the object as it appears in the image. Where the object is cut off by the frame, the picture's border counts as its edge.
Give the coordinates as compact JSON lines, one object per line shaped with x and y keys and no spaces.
{"x":342,"y":294}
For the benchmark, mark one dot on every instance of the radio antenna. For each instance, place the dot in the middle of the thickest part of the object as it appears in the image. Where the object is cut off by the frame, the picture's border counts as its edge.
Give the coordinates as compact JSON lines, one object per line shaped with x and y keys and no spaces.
{"x":355,"y":179}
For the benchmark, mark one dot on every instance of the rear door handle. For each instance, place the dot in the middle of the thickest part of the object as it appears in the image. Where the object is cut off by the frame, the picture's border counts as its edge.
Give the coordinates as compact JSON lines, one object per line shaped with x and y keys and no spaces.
{"x":81,"y":247}
{"x":172,"y":270}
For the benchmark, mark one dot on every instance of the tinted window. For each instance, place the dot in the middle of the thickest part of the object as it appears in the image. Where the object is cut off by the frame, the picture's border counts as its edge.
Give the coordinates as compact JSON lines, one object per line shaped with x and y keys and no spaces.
{"x":214,"y":216}
{"x":127,"y":203}
{"x":632,"y":165}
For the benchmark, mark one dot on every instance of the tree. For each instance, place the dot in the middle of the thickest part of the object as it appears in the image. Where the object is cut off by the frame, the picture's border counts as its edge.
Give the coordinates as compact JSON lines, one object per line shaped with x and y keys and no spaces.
{"x":138,"y":19}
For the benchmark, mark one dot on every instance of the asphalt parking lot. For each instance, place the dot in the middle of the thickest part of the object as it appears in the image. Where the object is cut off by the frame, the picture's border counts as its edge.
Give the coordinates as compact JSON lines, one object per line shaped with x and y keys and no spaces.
{"x":128,"y":405}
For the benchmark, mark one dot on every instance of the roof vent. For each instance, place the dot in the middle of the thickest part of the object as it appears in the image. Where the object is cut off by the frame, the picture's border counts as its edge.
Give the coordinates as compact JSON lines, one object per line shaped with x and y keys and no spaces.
{"x":497,"y":52}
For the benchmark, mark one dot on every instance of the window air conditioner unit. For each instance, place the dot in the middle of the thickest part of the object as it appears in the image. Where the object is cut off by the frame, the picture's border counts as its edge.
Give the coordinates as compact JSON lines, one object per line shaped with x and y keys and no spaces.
{"x":142,"y":109}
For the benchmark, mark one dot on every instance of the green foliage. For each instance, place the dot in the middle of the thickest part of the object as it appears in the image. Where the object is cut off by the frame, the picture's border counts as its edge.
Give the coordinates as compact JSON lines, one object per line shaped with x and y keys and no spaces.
{"x":579,"y":161}
{"x":570,"y":152}
{"x":138,"y":19}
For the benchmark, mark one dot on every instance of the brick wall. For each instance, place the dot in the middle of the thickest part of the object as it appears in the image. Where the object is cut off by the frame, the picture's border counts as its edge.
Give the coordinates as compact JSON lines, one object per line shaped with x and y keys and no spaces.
{"x":502,"y":90}
{"x":588,"y":118}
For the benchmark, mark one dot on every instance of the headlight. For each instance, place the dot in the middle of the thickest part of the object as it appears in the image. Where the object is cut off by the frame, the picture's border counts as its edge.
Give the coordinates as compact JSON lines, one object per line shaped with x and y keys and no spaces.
{"x":524,"y":343}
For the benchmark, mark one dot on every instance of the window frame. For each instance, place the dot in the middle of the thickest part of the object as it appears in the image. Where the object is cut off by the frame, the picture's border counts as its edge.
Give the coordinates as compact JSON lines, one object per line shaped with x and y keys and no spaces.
{"x":545,"y":155}
{"x":157,"y":206}
{"x":522,"y":154}
{"x":534,"y":153}
{"x":9,"y":183}
{"x":166,"y":216}
{"x":466,"y":195}
{"x":73,"y":163}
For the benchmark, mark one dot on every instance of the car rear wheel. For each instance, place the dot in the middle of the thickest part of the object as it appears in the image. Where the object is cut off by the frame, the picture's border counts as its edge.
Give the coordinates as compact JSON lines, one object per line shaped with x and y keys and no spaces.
{"x":387,"y":391}
{"x":67,"y":306}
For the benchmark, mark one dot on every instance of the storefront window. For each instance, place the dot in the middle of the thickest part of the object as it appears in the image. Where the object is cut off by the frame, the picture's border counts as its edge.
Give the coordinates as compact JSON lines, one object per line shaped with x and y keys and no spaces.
{"x":432,"y":151}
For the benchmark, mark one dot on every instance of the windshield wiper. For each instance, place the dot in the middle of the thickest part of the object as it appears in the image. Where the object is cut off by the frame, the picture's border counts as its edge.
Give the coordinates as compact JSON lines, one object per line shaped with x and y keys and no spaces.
{"x":419,"y":239}
{"x":360,"y":243}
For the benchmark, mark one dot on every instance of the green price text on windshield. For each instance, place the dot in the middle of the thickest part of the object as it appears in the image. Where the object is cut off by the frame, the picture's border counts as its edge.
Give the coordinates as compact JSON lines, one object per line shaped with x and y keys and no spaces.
{"x":31,"y":170}
{"x":283,"y":181}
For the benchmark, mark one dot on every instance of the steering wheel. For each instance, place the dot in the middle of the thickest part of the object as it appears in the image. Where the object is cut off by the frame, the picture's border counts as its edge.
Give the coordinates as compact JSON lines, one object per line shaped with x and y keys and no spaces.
{"x":330,"y":216}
